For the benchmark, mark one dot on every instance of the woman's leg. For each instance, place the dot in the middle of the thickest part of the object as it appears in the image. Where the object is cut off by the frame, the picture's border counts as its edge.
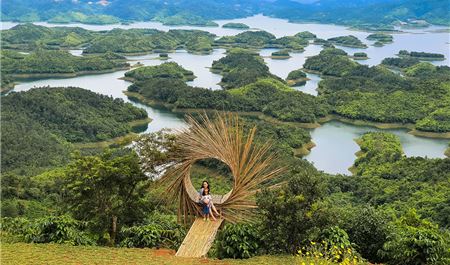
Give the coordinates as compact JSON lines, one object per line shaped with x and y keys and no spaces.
{"x":214,"y":208}
{"x":211,"y":214}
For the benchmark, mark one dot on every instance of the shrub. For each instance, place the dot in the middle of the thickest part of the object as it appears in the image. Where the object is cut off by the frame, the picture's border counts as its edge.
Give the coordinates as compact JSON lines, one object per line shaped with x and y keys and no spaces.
{"x":368,"y":229}
{"x":416,"y":241}
{"x":238,"y":241}
{"x":52,"y":229}
{"x":334,"y":247}
{"x":160,"y":231}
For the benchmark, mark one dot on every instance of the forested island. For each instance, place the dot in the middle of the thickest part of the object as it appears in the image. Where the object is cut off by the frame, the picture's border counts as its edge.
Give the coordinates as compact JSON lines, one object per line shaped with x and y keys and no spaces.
{"x":380,"y":39}
{"x":348,"y":41}
{"x":296,"y":78}
{"x":232,"y":25}
{"x":281,"y":54}
{"x":360,"y":56}
{"x":55,"y":63}
{"x":425,"y":56}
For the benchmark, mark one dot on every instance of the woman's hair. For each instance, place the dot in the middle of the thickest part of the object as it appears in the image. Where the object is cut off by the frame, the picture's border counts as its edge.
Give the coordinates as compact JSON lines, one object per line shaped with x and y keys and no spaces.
{"x":206,"y":183}
{"x":204,"y":191}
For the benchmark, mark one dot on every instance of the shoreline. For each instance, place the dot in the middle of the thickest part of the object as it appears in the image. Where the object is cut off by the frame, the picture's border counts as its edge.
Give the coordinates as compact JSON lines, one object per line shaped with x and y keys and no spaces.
{"x":65,"y":75}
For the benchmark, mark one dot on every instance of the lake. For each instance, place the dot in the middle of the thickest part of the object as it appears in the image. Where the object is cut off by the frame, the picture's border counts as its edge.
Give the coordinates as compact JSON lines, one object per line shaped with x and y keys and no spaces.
{"x":335,"y":148}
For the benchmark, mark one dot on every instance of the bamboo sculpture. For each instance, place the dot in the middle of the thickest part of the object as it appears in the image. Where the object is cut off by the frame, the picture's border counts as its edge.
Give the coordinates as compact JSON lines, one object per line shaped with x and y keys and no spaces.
{"x":221,"y":138}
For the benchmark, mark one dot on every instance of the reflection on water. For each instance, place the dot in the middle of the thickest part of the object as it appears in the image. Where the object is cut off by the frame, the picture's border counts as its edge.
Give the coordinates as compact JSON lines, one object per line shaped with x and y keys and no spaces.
{"x":336,"y":147}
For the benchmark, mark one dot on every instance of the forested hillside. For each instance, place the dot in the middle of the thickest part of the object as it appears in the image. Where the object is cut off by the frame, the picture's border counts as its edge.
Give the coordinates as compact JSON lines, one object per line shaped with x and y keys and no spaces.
{"x":39,"y":125}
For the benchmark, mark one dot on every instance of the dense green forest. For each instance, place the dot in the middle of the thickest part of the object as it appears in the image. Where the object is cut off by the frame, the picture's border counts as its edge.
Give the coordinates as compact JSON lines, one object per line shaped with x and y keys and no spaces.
{"x":372,"y":13}
{"x":348,"y":41}
{"x":38,"y":125}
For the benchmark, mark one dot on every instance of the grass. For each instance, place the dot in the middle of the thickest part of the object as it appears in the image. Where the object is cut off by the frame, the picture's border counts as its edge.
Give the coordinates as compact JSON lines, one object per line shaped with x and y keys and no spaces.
{"x":49,"y":254}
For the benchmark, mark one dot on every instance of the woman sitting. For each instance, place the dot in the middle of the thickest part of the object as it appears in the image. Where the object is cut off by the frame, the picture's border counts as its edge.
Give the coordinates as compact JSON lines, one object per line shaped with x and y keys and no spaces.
{"x":210,"y":204}
{"x":207,"y":205}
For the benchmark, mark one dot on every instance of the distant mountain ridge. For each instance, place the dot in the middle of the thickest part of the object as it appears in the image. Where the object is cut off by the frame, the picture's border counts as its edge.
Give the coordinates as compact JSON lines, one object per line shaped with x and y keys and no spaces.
{"x":200,"y":12}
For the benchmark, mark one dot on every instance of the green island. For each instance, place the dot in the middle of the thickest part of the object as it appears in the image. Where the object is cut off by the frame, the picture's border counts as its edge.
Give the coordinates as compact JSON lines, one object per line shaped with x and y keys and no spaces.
{"x":380,"y":39}
{"x":347,"y":41}
{"x":169,"y":70}
{"x":40,"y":127}
{"x":264,"y":39}
{"x":281,"y":54}
{"x":423,"y":56}
{"x":232,"y":25}
{"x":360,"y":56}
{"x":296,"y":78}
{"x":55,"y":63}
{"x":399,"y":63}
{"x":330,"y":61}
{"x":240,"y":68}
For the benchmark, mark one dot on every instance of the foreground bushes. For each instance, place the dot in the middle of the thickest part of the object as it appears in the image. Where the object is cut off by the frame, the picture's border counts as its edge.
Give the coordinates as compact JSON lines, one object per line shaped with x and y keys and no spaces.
{"x":52,"y":229}
{"x":160,"y":231}
{"x":238,"y":241}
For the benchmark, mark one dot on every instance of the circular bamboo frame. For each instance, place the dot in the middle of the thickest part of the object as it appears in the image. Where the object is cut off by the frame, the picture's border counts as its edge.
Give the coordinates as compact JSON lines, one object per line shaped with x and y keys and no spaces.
{"x":223,"y":139}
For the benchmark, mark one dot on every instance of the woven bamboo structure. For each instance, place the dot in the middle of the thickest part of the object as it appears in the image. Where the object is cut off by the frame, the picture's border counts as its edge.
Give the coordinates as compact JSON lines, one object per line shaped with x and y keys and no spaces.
{"x":222,"y":138}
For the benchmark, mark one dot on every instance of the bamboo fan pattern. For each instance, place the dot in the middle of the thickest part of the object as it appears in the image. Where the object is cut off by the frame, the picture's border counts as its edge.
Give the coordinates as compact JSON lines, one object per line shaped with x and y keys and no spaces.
{"x":221,"y":138}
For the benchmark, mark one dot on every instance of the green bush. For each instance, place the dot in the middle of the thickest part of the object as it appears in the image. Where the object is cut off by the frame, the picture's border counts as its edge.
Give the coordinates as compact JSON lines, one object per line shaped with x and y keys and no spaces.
{"x":368,"y":229}
{"x":52,"y":229}
{"x":293,"y":215}
{"x":238,"y":241}
{"x":416,"y":241}
{"x":160,"y":231}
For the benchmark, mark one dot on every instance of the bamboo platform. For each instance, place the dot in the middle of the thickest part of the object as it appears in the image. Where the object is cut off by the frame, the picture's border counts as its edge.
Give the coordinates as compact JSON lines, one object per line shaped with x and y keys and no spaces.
{"x":199,"y":239}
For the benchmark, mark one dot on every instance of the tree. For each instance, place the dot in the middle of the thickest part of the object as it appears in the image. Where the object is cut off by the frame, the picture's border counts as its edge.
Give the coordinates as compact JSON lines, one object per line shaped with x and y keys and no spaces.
{"x":106,"y":190}
{"x":156,"y":151}
{"x":293,"y":215}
